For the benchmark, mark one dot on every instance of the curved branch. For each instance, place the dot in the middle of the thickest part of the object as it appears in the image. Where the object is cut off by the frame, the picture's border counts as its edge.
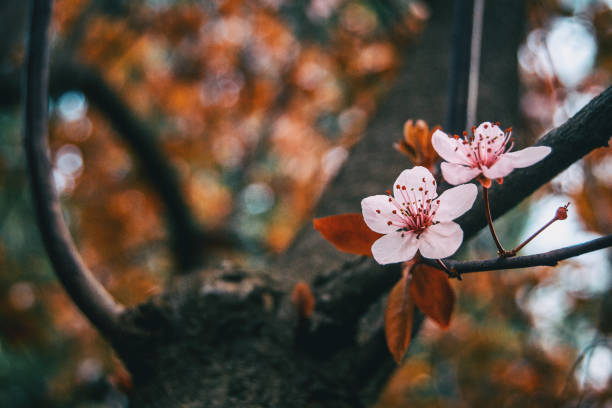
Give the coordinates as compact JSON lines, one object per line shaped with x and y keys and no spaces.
{"x":93,"y":300}
{"x":187,"y":238}
{"x":550,"y":258}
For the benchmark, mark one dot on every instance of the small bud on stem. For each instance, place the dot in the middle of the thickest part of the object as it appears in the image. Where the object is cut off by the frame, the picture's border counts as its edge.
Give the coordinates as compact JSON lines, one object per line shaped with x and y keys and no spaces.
{"x":561,"y":214}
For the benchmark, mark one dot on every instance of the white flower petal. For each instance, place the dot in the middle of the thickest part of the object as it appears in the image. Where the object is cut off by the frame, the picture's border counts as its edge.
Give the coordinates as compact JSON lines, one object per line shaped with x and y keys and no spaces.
{"x":446,"y":147}
{"x":501,"y":168}
{"x":456,"y":201}
{"x":488,"y":129}
{"x":440,"y":240}
{"x":528,"y":156}
{"x":496,"y":137}
{"x":393,"y":248}
{"x":414,"y":178}
{"x":457,"y":174}
{"x":379,"y":222}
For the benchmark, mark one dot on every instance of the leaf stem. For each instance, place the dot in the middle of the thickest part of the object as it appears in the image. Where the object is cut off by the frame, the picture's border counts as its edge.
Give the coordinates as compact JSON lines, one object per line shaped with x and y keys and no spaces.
{"x":500,"y":249}
{"x":452,"y":273}
{"x":519,"y":247}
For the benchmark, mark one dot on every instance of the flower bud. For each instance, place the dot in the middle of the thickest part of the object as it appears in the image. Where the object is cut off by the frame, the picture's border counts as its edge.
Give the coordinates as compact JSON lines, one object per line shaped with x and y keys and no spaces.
{"x":562,"y":213}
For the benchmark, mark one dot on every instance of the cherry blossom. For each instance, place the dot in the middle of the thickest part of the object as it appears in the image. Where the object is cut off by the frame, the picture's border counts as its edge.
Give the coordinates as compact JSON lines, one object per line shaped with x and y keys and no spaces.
{"x":487,"y":153}
{"x":416,"y":218}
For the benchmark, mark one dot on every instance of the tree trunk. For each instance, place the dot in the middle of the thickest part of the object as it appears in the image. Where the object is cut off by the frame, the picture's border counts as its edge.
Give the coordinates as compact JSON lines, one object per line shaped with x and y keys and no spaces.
{"x":230,"y":338}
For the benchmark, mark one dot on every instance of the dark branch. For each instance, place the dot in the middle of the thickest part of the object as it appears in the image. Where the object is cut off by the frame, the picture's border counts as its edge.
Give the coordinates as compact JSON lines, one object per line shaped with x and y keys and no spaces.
{"x":550,"y":258}
{"x":93,"y":300}
{"x":188,"y":240}
{"x":588,"y":130}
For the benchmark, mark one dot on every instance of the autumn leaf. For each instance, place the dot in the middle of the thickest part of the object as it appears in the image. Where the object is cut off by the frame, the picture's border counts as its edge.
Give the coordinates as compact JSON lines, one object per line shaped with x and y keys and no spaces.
{"x":302,"y":299}
{"x":432,"y":293}
{"x":416,"y":144}
{"x":398,"y":318}
{"x":347,"y":232}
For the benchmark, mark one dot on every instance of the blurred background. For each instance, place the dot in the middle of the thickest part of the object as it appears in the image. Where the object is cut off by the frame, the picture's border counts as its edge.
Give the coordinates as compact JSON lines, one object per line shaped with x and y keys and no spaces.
{"x":255,"y":105}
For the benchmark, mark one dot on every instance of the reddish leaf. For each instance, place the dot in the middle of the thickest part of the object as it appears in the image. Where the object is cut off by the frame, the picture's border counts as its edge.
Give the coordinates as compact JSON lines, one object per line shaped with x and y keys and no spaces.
{"x":303,"y":300}
{"x":398,"y":319}
{"x":347,"y":232}
{"x":432,"y":293}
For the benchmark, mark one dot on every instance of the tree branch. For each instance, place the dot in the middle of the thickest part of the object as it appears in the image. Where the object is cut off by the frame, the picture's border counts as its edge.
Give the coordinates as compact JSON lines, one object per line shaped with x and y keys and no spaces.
{"x":93,"y":300}
{"x":550,"y":258}
{"x":587,"y":130}
{"x":362,"y":285}
{"x":188,"y":240}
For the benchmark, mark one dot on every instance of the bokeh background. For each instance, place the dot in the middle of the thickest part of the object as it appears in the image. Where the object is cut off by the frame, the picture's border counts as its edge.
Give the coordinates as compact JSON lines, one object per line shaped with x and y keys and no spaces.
{"x":256,"y":105}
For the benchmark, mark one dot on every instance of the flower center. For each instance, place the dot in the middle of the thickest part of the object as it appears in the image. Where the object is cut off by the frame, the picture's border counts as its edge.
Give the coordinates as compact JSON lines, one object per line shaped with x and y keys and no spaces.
{"x":484,"y":148}
{"x":415,"y":207}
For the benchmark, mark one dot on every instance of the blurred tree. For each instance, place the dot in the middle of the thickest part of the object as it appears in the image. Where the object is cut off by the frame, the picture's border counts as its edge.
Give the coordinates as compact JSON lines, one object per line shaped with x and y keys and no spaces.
{"x":238,"y":114}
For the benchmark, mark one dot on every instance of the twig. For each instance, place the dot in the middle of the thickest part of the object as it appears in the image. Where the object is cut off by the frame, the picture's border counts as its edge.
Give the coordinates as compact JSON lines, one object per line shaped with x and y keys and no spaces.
{"x":561,"y":214}
{"x":93,"y":300}
{"x":585,"y":131}
{"x":550,"y":258}
{"x":450,"y":272}
{"x":500,"y":249}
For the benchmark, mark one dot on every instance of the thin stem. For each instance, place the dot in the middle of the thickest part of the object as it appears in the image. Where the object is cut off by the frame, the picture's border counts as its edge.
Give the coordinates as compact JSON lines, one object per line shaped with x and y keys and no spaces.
{"x":561,"y":214}
{"x":520,"y":246}
{"x":500,"y":249}
{"x":550,"y":258}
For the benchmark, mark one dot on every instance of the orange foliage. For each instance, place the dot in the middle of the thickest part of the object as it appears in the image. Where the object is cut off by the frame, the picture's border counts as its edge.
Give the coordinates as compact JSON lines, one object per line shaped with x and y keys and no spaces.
{"x":432,"y":293}
{"x":399,"y":315}
{"x":347,"y":232}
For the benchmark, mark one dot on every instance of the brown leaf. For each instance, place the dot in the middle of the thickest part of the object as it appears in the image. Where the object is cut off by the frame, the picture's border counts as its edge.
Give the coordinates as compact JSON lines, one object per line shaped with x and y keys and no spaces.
{"x":398,"y":318}
{"x":416,"y":144}
{"x":347,"y":232}
{"x":302,"y":299}
{"x":432,"y":293}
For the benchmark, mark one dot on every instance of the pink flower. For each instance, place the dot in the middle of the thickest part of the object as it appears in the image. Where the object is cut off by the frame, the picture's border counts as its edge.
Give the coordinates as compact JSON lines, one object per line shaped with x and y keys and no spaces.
{"x":488,"y":153}
{"x":415,"y":218}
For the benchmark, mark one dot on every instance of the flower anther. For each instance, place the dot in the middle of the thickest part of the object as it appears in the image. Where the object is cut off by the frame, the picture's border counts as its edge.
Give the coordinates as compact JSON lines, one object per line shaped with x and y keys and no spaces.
{"x":486,"y":155}
{"x":414,"y":218}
